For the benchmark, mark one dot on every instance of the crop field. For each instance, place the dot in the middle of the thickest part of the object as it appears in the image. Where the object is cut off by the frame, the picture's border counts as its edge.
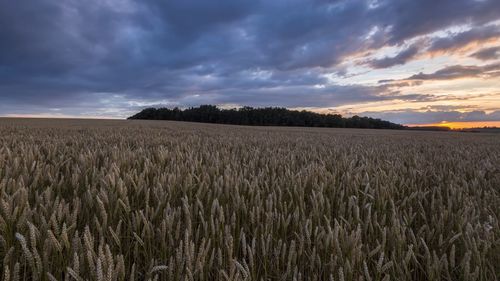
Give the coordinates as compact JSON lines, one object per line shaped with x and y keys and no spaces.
{"x":159,"y":200}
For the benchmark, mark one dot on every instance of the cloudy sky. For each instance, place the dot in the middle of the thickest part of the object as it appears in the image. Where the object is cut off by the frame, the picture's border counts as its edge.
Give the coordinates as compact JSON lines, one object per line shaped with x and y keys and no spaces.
{"x":411,"y":62}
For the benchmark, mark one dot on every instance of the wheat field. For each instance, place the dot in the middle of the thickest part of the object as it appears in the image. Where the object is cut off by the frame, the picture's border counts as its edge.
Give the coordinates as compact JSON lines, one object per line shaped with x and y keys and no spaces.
{"x":145,"y":200}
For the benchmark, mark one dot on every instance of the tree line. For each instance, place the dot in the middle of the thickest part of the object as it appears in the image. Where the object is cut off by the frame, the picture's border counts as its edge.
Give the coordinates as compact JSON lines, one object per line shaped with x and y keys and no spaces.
{"x":268,"y":116}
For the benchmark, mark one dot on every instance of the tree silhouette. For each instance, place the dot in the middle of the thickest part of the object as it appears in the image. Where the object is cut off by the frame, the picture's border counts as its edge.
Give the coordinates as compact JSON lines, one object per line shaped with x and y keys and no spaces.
{"x":268,"y":116}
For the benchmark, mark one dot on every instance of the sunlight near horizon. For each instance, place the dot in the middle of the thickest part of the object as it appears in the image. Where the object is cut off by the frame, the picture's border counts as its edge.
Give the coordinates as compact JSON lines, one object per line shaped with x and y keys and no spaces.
{"x":366,"y":58}
{"x":460,"y":125}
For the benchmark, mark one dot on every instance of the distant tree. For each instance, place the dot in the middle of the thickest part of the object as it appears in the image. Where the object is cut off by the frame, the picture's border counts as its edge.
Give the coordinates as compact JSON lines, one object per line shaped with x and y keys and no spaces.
{"x":267,"y":116}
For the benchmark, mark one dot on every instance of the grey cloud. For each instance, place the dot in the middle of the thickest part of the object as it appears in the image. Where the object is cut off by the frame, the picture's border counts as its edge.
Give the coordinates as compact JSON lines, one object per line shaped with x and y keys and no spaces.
{"x":462,"y":39}
{"x":390,"y":83}
{"x":411,"y":116}
{"x":450,"y":43}
{"x":399,"y":59}
{"x":487,"y":53}
{"x":85,"y":56}
{"x":410,"y":18}
{"x":460,"y":71}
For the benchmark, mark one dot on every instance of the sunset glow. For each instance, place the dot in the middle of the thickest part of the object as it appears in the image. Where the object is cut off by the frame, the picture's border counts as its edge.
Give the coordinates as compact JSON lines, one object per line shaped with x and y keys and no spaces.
{"x":460,"y":125}
{"x":409,"y":62}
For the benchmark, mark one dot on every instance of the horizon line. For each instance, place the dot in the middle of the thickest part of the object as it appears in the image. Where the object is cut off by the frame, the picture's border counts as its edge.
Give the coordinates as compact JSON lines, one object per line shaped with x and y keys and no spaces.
{"x":446,"y":124}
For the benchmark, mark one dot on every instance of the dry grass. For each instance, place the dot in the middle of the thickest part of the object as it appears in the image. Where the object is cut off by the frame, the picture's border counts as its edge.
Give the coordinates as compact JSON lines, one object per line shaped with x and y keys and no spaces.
{"x":135,"y":200}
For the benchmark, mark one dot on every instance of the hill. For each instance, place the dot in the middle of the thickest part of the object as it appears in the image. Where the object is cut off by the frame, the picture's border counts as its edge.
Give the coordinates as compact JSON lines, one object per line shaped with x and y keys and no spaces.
{"x":268,"y":116}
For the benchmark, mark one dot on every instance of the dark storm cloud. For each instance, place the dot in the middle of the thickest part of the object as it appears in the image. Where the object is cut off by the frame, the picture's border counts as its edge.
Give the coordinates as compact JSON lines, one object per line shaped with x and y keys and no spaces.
{"x":411,"y":18}
{"x":96,"y":56}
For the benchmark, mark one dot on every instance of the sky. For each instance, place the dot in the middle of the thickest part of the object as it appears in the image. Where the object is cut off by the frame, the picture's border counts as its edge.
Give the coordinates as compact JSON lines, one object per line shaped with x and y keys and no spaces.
{"x":407,"y":61}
